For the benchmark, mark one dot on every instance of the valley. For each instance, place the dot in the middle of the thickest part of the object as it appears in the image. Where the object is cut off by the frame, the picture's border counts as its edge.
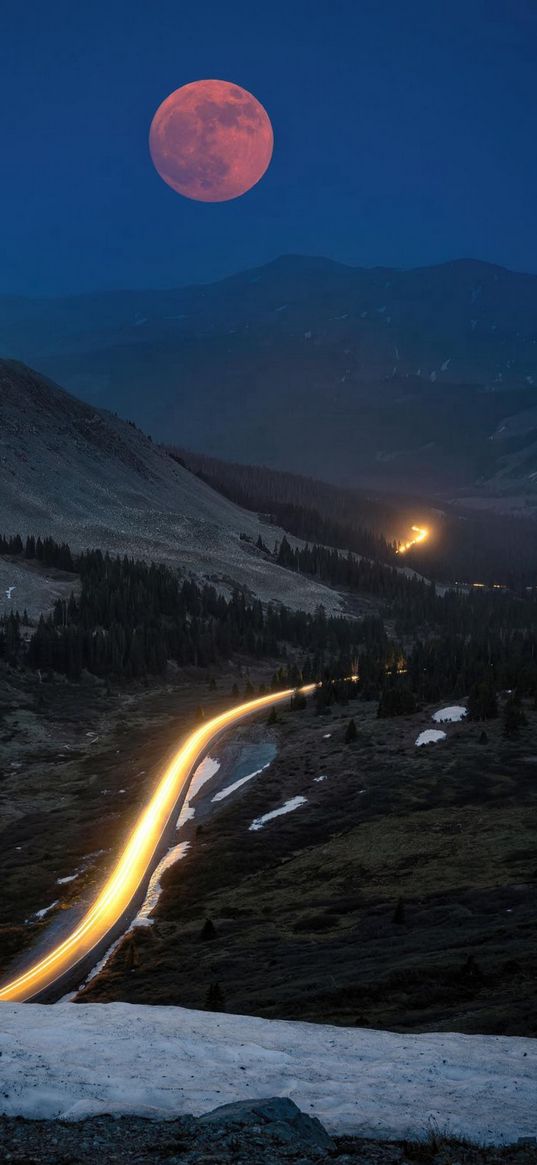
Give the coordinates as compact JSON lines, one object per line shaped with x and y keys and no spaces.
{"x":268,"y":584}
{"x":330,"y":864}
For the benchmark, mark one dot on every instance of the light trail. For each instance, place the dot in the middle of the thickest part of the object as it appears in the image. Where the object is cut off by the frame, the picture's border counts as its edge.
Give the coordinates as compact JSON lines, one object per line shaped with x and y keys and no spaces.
{"x":420,"y":534}
{"x":134,"y":862}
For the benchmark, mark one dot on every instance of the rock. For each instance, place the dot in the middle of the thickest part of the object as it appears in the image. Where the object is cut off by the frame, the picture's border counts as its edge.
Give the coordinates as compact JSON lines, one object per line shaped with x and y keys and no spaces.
{"x":277,"y":1117}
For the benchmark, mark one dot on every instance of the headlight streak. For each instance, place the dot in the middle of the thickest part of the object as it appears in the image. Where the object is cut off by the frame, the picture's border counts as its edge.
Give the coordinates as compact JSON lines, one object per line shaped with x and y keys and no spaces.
{"x":135,"y":860}
{"x":420,"y":534}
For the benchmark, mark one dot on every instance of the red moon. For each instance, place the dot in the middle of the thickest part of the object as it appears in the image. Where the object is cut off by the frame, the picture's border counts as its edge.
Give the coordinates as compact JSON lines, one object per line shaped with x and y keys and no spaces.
{"x":211,"y":140}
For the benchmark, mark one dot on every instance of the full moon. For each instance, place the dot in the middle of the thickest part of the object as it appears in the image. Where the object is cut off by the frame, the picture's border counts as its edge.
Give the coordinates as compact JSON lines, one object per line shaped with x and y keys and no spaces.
{"x":211,"y":140}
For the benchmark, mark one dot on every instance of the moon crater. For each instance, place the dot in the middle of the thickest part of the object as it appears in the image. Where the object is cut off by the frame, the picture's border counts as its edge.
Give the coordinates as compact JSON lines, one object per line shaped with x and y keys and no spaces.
{"x":211,"y":140}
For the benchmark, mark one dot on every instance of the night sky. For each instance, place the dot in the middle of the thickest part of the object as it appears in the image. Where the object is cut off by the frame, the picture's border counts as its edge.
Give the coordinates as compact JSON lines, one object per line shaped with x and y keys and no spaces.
{"x":405,"y":134}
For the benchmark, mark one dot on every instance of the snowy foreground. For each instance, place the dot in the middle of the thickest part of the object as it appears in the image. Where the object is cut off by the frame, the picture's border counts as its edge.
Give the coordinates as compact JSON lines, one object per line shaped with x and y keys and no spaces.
{"x":73,"y":1061}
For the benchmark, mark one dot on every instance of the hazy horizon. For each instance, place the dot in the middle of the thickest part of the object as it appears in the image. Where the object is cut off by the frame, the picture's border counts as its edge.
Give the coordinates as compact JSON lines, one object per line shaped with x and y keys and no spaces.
{"x":102,"y":289}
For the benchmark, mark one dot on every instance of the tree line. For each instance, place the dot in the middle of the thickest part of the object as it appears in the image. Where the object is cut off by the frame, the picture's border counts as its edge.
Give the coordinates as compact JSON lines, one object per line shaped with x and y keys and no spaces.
{"x":303,"y":506}
{"x":44,"y":550}
{"x":473,"y":547}
{"x":414,"y":603}
{"x":129,"y":618}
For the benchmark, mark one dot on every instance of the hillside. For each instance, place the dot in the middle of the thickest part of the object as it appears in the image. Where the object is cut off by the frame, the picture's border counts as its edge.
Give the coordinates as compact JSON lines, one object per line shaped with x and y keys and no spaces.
{"x":465,"y":542}
{"x":304,"y":905}
{"x":421,"y":379}
{"x":82,"y":475}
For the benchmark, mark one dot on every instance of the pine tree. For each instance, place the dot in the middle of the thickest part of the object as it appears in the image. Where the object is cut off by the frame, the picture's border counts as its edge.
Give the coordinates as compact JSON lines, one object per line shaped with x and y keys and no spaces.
{"x":215,"y":1000}
{"x":208,"y":931}
{"x":350,"y":732}
{"x":514,"y":717}
{"x":482,"y":701}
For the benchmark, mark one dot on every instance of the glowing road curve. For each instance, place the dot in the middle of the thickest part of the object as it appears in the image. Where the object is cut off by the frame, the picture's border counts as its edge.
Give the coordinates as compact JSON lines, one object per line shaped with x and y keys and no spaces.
{"x":135,"y":862}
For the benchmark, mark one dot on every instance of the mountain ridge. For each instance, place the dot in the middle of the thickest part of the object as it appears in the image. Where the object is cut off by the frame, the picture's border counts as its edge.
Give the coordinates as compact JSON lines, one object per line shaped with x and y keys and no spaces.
{"x":385,"y":377}
{"x":285,"y":258}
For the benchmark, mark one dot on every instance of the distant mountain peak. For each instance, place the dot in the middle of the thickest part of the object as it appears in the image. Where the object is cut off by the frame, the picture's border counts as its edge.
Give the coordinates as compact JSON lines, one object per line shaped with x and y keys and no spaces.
{"x":292,"y":261}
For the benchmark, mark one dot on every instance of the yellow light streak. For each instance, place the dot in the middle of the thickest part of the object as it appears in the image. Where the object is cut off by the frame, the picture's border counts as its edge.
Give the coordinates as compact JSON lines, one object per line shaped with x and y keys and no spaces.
{"x":135,"y":861}
{"x":420,"y":534}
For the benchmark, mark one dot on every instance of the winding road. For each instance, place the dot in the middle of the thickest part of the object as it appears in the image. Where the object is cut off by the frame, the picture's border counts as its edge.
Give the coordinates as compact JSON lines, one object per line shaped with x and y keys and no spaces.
{"x":135,"y":862}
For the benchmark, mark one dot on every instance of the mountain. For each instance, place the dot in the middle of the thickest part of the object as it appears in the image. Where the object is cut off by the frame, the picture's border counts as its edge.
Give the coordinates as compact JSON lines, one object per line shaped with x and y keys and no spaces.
{"x":83,"y":475}
{"x":420,"y":379}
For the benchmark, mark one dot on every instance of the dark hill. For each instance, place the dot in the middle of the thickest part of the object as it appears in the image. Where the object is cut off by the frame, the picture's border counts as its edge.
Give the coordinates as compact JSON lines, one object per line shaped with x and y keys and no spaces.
{"x":84,"y":476}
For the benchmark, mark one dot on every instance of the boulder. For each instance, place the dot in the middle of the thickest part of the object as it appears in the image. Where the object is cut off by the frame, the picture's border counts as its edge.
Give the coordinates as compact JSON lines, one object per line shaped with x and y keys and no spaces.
{"x":276,"y":1117}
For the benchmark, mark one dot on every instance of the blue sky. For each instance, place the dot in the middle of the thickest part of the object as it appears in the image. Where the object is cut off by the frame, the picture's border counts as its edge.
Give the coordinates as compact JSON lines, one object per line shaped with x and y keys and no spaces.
{"x":405,"y":134}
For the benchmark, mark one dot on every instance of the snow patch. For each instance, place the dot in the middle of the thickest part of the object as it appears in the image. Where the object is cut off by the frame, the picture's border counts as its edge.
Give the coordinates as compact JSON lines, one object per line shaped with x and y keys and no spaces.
{"x":96,"y":970}
{"x":450,"y":715}
{"x":46,"y":909}
{"x":430,"y":736}
{"x":289,"y":807}
{"x":68,"y":1062}
{"x":154,"y":890}
{"x":237,"y":784}
{"x":202,"y":774}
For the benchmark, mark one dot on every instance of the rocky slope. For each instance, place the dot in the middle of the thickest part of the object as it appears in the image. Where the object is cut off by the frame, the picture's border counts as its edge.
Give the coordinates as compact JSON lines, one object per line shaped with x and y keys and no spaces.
{"x":83,"y":475}
{"x":263,"y":1132}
